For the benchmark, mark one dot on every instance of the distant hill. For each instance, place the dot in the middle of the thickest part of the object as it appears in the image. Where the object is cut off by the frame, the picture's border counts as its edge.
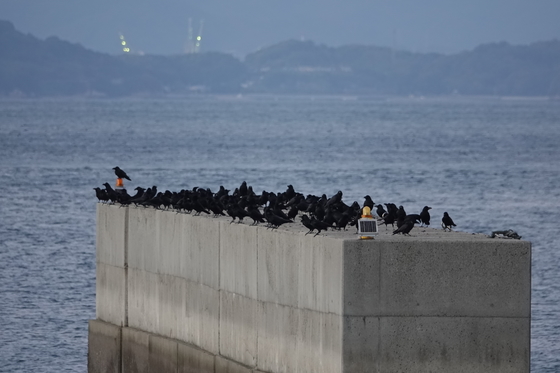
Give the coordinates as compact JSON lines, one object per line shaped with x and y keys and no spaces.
{"x":490,"y":69}
{"x":53,"y":67}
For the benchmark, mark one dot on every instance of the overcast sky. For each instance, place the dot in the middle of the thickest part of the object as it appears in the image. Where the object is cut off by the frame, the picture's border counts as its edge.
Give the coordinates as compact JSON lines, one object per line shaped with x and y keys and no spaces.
{"x":243,"y":26}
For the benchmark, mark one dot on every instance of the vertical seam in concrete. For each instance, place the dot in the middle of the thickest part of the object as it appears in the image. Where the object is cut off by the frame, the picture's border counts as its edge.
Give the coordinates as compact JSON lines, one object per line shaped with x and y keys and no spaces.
{"x":257,"y":299}
{"x":121,"y":360}
{"x":219,"y":286}
{"x":343,"y":305}
{"x":378,"y":358}
{"x":126,"y":267}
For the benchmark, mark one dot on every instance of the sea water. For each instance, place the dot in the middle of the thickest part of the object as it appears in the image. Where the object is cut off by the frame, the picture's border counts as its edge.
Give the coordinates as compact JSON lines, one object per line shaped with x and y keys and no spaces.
{"x":493,"y":164}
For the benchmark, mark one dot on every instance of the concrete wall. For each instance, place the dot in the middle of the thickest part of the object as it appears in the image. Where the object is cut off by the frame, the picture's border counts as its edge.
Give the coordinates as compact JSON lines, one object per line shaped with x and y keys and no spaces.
{"x":186,"y":293}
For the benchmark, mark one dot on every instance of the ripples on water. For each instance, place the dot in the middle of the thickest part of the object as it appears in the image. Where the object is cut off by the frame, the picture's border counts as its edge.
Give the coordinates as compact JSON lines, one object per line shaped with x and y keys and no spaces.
{"x":491,"y":164}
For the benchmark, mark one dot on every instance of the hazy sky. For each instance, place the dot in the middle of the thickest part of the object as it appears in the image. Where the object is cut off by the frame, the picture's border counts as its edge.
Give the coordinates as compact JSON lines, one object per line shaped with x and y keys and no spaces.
{"x":243,"y":26}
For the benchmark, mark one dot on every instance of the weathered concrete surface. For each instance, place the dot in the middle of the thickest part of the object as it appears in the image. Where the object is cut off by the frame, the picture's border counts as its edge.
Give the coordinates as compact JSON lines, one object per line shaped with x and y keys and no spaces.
{"x":111,"y":235}
{"x":110,"y":294}
{"x":135,"y":351}
{"x":194,"y":292}
{"x":194,"y":360}
{"x":104,"y":347}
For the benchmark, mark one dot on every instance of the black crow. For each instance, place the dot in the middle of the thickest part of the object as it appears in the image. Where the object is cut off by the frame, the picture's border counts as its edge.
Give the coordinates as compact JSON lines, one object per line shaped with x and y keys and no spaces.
{"x":406,"y":226}
{"x":334,"y":199}
{"x":401,"y":215}
{"x":425,"y":215}
{"x":380,"y":211}
{"x":101,"y":194}
{"x":368,"y":202}
{"x":307,"y":223}
{"x":111,"y":193}
{"x":120,"y":173}
{"x":274,"y":221}
{"x":255,"y":214}
{"x":313,"y":224}
{"x":447,"y":222}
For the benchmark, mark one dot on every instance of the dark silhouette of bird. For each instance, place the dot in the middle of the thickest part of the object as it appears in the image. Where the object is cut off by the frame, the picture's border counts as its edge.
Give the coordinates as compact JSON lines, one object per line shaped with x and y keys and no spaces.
{"x":406,"y":225}
{"x":274,"y":221}
{"x":425,"y":215}
{"x":380,"y":211}
{"x":334,"y":199}
{"x":120,"y":173}
{"x":368,"y":202}
{"x":111,"y":193}
{"x":343,"y":220}
{"x":415,"y":217}
{"x":447,"y":222}
{"x":101,"y":194}
{"x":401,"y":215}
{"x":290,"y":192}
{"x":313,"y":224}
{"x":306,"y":221}
{"x":255,"y":214}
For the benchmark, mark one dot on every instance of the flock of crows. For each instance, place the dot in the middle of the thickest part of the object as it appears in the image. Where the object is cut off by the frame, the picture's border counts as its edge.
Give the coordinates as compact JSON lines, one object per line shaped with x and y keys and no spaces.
{"x":275,"y":209}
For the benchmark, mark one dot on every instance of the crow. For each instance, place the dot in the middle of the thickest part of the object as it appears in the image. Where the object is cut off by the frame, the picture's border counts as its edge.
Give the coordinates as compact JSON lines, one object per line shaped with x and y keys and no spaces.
{"x":368,"y":202}
{"x":101,"y":194}
{"x":380,"y":211}
{"x":307,"y":223}
{"x":255,"y":214}
{"x":334,"y":199}
{"x":274,"y":221}
{"x":425,"y":215}
{"x":313,"y":224}
{"x":401,"y":215}
{"x":111,"y":193}
{"x":406,"y":226}
{"x":120,"y":173}
{"x":447,"y":222}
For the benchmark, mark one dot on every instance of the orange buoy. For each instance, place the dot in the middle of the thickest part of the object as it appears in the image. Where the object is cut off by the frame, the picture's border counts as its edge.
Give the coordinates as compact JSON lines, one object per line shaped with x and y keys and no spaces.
{"x":120,"y":183}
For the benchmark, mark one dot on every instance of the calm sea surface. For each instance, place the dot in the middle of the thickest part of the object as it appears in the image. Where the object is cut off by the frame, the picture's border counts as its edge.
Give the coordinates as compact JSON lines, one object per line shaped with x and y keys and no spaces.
{"x":492,"y":164}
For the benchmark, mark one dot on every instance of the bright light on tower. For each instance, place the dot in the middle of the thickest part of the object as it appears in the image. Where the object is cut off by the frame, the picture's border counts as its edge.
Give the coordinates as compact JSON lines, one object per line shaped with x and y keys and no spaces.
{"x":125,"y":49}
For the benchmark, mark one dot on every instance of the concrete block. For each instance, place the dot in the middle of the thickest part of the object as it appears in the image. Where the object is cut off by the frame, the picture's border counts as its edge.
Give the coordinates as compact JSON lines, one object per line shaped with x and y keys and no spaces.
{"x":238,"y":259}
{"x":278,"y":335}
{"x":162,"y":354}
{"x":319,"y":347}
{"x":110,"y":296}
{"x":142,"y":238}
{"x":155,"y":302}
{"x":454,"y":278}
{"x":194,"y":360}
{"x":199,"y":323}
{"x":454,"y":344}
{"x":361,"y":343}
{"x":170,"y":291}
{"x":238,"y":328}
{"x":110,"y":239}
{"x":135,"y":351}
{"x":320,"y":274}
{"x":278,"y":267}
{"x":142,"y":300}
{"x":224,"y":365}
{"x":104,"y":347}
{"x":200,"y":256}
{"x":170,"y":227}
{"x":361,"y":277}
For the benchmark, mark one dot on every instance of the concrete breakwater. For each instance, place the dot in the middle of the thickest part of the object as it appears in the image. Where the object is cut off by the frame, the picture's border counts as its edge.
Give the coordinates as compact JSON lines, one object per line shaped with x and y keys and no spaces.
{"x":183,"y":293}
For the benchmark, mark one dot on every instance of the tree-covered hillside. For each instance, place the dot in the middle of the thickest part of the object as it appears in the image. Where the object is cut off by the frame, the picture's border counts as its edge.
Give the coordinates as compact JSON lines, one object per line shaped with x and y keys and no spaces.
{"x":53,"y":67}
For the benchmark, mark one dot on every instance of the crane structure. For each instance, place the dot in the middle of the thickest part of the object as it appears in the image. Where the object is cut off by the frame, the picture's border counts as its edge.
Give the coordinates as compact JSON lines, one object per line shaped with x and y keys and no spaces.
{"x":124,"y":45}
{"x":193,"y":42}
